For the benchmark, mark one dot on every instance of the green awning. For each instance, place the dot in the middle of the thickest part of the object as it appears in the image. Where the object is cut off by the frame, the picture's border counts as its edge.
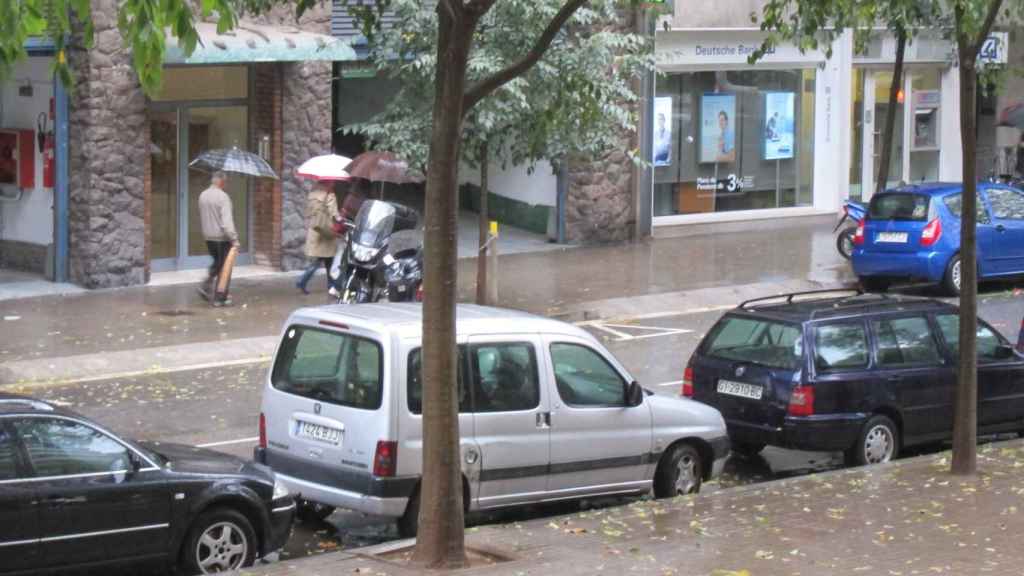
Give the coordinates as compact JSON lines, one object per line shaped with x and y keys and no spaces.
{"x":257,"y":43}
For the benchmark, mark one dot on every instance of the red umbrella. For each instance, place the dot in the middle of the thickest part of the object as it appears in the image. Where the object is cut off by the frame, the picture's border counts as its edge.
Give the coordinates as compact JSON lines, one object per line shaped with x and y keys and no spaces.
{"x":378,"y":166}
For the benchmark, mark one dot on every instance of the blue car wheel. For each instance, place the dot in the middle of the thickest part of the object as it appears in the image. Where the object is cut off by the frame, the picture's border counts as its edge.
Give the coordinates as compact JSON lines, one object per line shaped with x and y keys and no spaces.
{"x":951,"y":280}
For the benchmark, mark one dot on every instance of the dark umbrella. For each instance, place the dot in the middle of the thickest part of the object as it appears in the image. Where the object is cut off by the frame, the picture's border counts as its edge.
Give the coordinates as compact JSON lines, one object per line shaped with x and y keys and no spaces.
{"x":234,"y":160}
{"x":378,"y":166}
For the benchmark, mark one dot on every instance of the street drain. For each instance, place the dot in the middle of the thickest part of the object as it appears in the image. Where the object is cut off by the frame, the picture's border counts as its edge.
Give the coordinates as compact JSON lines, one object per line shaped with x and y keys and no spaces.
{"x":175,"y":313}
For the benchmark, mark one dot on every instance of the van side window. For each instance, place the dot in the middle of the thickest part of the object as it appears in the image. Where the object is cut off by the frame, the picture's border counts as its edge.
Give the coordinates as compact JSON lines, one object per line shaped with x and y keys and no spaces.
{"x":585,"y":379}
{"x":840,"y":346}
{"x":903,"y":341}
{"x":415,"y":382}
{"x":504,"y":377}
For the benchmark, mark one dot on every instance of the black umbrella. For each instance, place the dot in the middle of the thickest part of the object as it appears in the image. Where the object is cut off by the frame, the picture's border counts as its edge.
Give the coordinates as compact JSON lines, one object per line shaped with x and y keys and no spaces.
{"x":234,"y":160}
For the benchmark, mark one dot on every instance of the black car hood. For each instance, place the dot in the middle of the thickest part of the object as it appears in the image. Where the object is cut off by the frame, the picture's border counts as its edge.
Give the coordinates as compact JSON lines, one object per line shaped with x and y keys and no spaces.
{"x":191,"y":460}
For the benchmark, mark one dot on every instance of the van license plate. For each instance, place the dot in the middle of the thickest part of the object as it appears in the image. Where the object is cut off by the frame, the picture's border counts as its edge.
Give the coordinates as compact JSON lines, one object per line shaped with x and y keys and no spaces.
{"x":892,"y":237}
{"x":319,"y":433}
{"x":740,"y":389}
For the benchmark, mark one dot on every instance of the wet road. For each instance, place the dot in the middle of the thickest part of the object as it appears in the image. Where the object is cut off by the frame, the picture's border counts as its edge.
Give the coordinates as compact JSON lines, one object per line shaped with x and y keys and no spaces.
{"x":219,"y":407}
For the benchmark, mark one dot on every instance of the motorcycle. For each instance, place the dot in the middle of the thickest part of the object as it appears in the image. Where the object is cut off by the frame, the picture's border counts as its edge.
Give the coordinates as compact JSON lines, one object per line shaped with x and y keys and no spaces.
{"x":854,"y":211}
{"x":369,"y":268}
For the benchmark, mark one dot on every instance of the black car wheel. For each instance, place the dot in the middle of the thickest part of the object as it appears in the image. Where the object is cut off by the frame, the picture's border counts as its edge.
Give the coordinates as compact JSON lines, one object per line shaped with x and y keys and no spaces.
{"x":748,"y":450}
{"x":878,"y":442}
{"x":312,"y":512}
{"x":679,"y":472}
{"x":844,"y":242}
{"x":221,"y":540}
{"x":951,"y":280}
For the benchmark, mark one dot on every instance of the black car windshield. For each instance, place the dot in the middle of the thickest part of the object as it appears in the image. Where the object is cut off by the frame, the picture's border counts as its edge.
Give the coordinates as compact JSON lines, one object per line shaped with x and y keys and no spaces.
{"x":899,"y":206}
{"x":329,"y":366}
{"x":764,"y":342}
{"x":374,"y":223}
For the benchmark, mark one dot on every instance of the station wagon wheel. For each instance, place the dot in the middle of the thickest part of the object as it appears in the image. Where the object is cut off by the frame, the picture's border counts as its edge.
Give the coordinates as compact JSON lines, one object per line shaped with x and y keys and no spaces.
{"x":877,"y":442}
{"x":221,"y":540}
{"x":951,"y":281}
{"x":679,"y":472}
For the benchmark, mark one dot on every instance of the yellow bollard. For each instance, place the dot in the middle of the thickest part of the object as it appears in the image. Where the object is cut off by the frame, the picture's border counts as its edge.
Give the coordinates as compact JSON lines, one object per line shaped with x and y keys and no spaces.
{"x":492,"y":265}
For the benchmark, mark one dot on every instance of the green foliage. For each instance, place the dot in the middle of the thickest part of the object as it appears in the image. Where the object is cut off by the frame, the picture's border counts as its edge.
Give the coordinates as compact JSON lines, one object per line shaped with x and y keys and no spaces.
{"x":141,"y":23}
{"x":579,"y":98}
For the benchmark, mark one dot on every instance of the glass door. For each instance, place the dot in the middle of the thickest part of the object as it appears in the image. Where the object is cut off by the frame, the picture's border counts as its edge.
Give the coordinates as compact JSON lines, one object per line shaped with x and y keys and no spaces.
{"x":178,"y":135}
{"x":870,"y":106}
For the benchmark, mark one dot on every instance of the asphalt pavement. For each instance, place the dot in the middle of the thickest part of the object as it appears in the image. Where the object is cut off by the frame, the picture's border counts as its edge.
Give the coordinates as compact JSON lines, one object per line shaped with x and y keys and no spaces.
{"x":218,"y":407}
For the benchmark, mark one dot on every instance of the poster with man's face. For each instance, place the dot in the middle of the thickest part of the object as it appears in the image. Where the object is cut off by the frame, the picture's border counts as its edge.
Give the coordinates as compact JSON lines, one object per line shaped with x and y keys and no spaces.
{"x":663,"y":131}
{"x":779,"y":125}
{"x":718,"y":128}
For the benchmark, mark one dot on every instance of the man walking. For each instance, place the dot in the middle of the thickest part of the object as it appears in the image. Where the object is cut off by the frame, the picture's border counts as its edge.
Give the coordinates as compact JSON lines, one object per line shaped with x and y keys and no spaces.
{"x":219,"y":230}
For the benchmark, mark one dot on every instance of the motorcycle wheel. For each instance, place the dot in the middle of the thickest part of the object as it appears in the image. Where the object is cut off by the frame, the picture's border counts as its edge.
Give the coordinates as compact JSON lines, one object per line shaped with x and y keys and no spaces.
{"x":844,"y":242}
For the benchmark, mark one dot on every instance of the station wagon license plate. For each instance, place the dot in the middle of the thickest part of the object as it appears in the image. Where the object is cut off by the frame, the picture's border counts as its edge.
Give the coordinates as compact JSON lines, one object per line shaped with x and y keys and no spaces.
{"x":318,"y":432}
{"x":740,"y":389}
{"x":892,"y":237}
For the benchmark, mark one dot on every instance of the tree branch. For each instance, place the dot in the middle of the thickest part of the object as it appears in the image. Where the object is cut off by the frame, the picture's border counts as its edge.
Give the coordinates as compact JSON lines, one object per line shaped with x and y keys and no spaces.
{"x":479,"y":7}
{"x":990,"y":19}
{"x":499,"y":78}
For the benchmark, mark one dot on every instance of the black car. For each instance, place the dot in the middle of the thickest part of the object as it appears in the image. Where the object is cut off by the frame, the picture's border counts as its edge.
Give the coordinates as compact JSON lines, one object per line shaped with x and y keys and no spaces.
{"x":72,"y":495}
{"x":863,"y":374}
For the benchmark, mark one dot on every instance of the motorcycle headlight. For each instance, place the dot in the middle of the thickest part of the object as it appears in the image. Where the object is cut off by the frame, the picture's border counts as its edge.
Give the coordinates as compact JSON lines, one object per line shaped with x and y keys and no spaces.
{"x":280,"y":490}
{"x":362,"y":253}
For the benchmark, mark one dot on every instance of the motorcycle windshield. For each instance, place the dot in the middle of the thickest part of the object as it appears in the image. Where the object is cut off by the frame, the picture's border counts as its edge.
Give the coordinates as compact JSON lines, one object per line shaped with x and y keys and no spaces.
{"x":374,"y":224}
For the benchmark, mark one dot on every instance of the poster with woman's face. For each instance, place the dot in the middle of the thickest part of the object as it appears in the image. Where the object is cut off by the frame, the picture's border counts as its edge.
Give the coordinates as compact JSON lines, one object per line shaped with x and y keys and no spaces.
{"x":663,"y":131}
{"x":718,"y":127}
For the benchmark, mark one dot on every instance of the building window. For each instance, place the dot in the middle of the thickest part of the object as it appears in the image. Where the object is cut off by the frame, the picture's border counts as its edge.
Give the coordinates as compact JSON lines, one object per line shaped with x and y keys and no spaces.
{"x":727,"y":141}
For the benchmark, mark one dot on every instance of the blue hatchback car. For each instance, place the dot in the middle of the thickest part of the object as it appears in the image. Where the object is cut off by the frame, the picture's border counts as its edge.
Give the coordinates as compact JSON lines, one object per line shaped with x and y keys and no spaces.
{"x":913,"y":234}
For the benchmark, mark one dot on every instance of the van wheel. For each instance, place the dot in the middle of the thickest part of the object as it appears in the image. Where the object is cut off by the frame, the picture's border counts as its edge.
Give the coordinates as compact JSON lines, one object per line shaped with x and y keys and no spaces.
{"x":951,"y":280}
{"x":409,"y":522}
{"x":748,"y":450}
{"x":877,"y":442}
{"x":220,"y":540}
{"x":871,"y":284}
{"x":679,"y":472}
{"x":312,"y":512}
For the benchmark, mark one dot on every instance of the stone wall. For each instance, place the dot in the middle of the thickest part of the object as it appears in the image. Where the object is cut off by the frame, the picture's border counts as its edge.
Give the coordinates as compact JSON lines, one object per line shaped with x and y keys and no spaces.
{"x":306,"y":123}
{"x":106,"y":161}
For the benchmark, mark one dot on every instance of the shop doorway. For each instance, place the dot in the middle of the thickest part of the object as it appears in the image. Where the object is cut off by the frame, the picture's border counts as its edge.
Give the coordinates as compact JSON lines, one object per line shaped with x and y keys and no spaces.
{"x":915,"y":153}
{"x":178,"y":134}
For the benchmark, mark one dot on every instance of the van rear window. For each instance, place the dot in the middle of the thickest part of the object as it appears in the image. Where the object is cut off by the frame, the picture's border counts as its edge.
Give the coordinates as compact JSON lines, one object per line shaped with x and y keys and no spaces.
{"x":905,"y":207}
{"x":762,"y":342}
{"x":330,"y":367}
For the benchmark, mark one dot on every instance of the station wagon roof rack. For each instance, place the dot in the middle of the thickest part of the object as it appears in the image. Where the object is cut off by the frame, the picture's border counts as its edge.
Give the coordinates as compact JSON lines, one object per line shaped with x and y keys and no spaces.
{"x":28,"y":402}
{"x":788,"y":298}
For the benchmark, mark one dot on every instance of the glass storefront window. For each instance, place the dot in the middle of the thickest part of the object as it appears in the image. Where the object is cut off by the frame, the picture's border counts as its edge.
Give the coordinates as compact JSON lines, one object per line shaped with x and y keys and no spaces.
{"x":739,"y":140}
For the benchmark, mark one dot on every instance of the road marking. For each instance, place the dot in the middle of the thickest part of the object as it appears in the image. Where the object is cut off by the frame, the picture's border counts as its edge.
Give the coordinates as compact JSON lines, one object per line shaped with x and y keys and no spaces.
{"x":653,"y":315}
{"x":620,"y":336}
{"x":228,"y":442}
{"x":672,"y":383}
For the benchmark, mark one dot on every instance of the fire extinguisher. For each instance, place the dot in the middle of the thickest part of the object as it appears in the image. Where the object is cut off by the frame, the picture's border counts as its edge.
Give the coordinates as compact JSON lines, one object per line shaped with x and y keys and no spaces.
{"x":44,"y":135}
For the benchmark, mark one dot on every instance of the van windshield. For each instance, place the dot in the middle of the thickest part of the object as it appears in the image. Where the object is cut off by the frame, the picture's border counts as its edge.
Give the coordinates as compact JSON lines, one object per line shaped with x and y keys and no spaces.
{"x":762,"y":342}
{"x":330,"y":367}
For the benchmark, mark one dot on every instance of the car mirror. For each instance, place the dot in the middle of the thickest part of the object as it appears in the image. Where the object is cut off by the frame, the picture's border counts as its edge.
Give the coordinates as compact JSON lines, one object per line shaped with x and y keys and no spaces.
{"x":634,"y":394}
{"x":1005,"y":352}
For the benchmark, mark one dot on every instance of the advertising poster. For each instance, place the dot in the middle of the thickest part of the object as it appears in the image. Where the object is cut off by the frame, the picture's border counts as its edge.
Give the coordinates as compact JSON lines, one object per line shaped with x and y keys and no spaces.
{"x":779,"y":125}
{"x":663,"y":131}
{"x":718,"y":127}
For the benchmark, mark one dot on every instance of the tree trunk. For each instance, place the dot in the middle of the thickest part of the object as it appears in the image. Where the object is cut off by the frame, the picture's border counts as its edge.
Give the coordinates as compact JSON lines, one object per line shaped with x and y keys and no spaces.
{"x":441,"y":538}
{"x":890,"y":113}
{"x":481,"y":255}
{"x":965,"y":419}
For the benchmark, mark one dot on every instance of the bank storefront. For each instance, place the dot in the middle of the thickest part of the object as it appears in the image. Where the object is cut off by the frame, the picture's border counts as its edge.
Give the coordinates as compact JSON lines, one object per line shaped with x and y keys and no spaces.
{"x":796,"y":133}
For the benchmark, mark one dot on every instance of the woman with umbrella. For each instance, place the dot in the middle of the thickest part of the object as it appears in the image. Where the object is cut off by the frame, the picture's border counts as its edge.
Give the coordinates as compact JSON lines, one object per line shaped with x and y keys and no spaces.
{"x":324,"y":226}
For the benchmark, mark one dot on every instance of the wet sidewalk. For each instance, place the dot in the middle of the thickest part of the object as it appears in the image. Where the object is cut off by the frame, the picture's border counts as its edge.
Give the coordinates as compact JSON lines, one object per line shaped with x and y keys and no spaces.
{"x":910,"y":517}
{"x":71,"y":336}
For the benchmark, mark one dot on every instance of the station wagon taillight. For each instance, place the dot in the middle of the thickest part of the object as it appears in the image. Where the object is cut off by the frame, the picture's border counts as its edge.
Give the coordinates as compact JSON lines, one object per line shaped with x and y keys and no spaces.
{"x":263,"y":431}
{"x":688,"y":382}
{"x":858,"y":236}
{"x":931,"y":233}
{"x":801,"y":401}
{"x":385,"y":459}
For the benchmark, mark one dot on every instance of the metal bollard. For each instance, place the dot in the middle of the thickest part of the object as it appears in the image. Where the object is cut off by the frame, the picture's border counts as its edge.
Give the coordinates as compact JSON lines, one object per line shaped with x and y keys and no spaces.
{"x":492,"y":265}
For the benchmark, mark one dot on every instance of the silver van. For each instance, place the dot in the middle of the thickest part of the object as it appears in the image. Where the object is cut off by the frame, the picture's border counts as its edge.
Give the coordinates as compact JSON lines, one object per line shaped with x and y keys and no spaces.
{"x":546,"y":413}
